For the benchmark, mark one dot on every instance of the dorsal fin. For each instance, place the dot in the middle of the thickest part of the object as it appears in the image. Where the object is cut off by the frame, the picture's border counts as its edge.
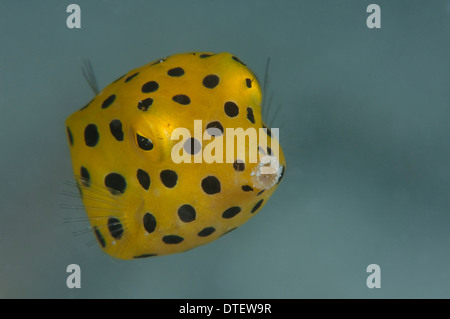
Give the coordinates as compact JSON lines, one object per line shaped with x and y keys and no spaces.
{"x":89,"y":75}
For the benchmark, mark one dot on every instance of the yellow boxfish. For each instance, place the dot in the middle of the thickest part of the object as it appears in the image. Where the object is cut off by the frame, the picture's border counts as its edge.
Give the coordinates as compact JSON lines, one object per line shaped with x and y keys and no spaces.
{"x":165,"y":157}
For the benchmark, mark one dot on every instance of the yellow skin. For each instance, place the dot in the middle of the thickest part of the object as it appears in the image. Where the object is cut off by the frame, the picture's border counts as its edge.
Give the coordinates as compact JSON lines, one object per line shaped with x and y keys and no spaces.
{"x":119,"y":217}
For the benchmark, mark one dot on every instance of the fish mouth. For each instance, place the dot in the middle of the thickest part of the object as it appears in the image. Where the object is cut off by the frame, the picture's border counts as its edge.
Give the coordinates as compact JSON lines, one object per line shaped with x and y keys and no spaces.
{"x":267,"y":172}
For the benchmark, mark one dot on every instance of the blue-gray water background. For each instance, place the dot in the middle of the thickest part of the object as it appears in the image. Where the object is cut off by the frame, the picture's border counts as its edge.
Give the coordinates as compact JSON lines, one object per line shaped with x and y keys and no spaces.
{"x":364,"y":124}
